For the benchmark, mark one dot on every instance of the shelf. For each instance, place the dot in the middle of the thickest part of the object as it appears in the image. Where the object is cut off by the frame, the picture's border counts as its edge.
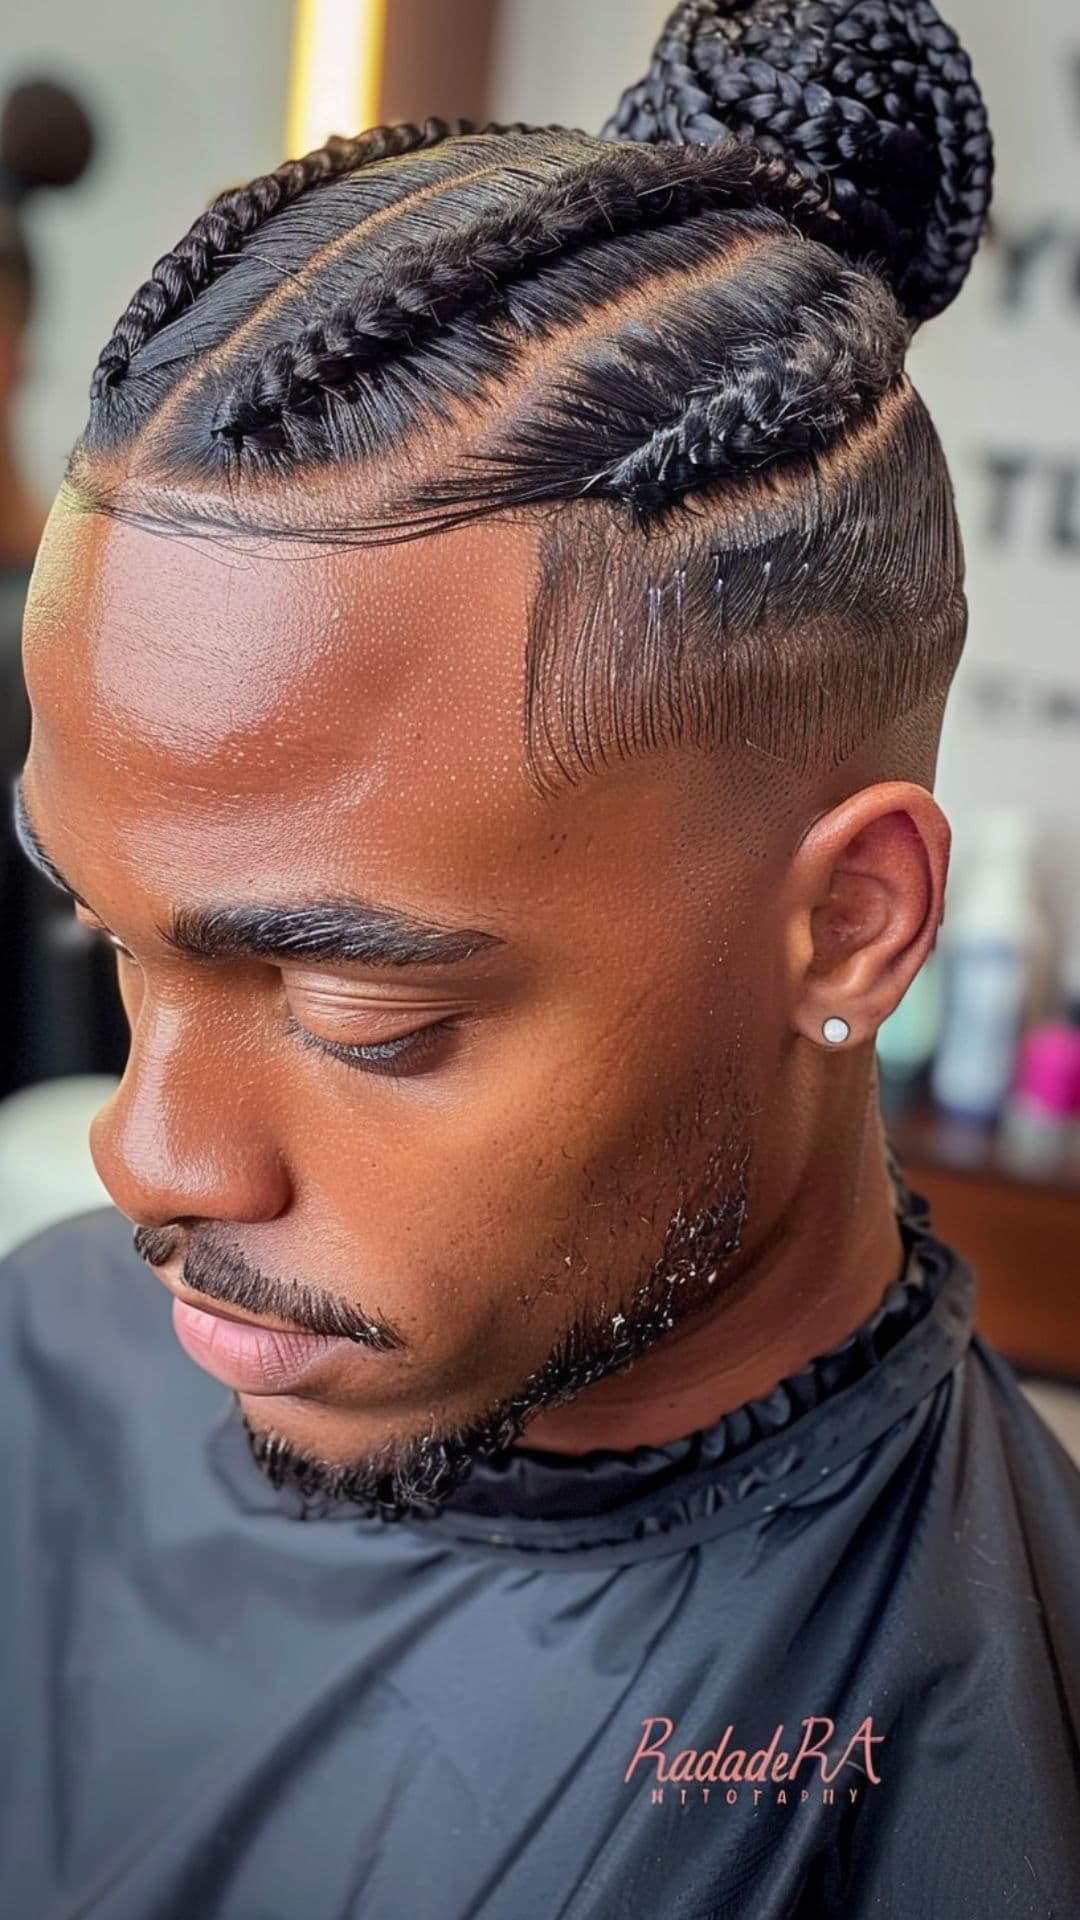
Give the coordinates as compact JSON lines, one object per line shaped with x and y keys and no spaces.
{"x":1019,"y":1230}
{"x":935,"y":1139}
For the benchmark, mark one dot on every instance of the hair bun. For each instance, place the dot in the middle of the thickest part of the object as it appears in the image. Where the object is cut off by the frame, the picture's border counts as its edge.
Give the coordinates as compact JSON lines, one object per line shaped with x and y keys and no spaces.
{"x":872,"y":100}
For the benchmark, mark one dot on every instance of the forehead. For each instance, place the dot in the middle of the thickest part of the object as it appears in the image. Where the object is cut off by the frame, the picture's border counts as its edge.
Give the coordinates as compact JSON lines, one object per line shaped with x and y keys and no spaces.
{"x":210,"y":680}
{"x":271,"y":659}
{"x":206,"y":712}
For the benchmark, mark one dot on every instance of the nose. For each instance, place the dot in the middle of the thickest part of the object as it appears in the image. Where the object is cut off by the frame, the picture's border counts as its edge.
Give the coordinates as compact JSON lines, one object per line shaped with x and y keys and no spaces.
{"x":186,"y":1133}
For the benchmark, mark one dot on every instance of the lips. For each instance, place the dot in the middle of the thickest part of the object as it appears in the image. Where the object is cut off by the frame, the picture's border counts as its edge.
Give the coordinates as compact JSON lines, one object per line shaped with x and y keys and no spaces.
{"x":251,"y":1358}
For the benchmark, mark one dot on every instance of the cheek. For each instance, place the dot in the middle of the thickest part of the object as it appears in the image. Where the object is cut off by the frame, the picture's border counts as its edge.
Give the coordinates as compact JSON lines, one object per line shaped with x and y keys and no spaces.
{"x":530,"y":1168}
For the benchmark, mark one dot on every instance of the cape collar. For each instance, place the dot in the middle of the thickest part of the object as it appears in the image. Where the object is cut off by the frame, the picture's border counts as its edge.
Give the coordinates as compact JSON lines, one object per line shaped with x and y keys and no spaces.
{"x":752,"y":1460}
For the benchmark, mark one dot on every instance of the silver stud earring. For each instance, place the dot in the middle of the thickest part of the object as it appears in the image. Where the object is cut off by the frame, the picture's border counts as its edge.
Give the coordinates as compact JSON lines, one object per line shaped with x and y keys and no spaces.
{"x":836,"y":1030}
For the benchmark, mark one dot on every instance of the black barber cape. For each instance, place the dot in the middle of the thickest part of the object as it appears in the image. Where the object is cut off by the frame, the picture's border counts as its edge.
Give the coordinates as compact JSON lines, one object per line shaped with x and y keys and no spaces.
{"x":819,"y":1659}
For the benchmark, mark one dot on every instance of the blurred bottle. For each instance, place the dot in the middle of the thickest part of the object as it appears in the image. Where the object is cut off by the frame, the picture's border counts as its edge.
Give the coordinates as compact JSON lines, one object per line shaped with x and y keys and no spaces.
{"x":996,"y":944}
{"x":906,"y":1041}
{"x":1040,"y":1119}
{"x":1070,"y":967}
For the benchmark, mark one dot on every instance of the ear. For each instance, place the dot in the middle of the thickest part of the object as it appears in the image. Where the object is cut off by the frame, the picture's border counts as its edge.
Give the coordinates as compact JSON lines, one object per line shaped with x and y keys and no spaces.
{"x":864,"y":899}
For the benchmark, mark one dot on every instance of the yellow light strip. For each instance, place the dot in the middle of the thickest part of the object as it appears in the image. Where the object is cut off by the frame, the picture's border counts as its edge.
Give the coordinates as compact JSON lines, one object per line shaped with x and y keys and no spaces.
{"x":336,"y":66}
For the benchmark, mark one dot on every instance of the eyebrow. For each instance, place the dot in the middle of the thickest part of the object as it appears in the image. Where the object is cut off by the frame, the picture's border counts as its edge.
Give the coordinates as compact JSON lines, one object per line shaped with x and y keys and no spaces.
{"x":332,"y":930}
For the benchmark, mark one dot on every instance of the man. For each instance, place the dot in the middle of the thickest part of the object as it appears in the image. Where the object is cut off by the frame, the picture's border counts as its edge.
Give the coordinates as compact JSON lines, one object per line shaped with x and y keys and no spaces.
{"x":588,"y":1497}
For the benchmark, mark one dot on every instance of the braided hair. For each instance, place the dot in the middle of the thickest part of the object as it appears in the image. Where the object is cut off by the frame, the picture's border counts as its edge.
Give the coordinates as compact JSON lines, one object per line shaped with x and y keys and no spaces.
{"x":679,"y":346}
{"x":872,"y":100}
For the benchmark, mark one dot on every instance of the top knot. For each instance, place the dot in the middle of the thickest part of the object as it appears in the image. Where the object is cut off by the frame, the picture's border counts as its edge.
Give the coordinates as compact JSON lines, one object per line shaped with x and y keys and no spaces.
{"x":873,"y":101}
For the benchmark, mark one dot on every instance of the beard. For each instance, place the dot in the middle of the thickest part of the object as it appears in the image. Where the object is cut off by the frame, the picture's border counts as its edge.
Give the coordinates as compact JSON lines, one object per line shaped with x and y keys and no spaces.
{"x":412,"y":1477}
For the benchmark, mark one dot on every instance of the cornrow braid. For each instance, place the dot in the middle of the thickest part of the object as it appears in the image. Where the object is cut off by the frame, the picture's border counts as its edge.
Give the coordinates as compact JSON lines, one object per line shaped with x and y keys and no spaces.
{"x":633,"y":190}
{"x":781,"y":398}
{"x":211,"y":242}
{"x":777,"y":361}
{"x":873,"y":99}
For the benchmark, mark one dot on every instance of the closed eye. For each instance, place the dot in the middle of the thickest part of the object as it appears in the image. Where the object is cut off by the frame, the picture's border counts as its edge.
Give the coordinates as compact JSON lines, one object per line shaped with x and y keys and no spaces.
{"x":407,"y":1053}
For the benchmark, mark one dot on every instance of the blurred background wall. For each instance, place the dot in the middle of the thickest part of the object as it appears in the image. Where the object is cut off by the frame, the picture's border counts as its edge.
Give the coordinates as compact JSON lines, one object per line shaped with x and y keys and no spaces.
{"x":186,"y":100}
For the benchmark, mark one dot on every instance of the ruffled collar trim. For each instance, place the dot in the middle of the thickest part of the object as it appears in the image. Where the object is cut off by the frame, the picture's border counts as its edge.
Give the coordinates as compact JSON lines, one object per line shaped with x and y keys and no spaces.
{"x":531,"y":1480}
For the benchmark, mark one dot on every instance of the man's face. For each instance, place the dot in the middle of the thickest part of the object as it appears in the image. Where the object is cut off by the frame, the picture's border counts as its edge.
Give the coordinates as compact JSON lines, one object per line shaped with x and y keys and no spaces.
{"x":224,"y":728}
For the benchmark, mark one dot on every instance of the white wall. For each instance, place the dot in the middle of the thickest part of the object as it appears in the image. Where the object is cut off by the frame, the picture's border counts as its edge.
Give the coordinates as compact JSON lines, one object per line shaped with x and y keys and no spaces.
{"x":189,"y":100}
{"x":1003,"y":384}
{"x":569,"y":60}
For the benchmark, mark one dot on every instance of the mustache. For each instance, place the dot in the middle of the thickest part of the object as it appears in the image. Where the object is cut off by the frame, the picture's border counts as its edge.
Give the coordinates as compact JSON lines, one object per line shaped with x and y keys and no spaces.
{"x":221,"y":1273}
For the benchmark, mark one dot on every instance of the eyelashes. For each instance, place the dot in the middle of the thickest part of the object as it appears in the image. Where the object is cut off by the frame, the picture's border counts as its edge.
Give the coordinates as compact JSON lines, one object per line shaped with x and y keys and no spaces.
{"x":407,"y":1054}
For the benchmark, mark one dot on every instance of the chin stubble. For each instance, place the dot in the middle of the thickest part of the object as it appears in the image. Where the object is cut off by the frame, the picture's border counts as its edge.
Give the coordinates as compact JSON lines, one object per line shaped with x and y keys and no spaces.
{"x":413,"y":1477}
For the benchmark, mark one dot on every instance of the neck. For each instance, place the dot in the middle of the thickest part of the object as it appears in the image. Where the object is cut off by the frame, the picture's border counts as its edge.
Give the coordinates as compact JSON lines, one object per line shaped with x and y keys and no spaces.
{"x":822,"y":1268}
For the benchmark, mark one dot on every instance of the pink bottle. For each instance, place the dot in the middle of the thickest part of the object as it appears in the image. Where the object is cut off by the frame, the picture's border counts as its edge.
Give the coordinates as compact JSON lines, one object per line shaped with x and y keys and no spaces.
{"x":1040,"y":1119}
